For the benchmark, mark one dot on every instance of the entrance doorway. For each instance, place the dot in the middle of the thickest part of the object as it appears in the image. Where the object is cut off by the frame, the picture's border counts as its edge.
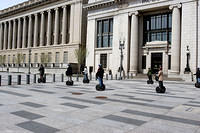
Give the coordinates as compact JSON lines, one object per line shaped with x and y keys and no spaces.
{"x":156,"y":62}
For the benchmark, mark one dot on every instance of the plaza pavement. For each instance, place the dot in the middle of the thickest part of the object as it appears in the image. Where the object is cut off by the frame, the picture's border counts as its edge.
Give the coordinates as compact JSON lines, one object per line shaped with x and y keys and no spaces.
{"x":128,"y":106}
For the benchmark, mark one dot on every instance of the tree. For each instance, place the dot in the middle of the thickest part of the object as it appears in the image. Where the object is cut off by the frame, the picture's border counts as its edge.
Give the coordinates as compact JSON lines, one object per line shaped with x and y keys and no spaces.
{"x":2,"y":61}
{"x":80,"y":56}
{"x":18,"y":59}
{"x":44,"y":59}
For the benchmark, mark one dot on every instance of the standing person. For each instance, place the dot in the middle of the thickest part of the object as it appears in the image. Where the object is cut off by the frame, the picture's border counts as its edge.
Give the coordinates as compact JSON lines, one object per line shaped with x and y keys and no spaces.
{"x":69,"y":72}
{"x":149,"y":74}
{"x":198,"y":75}
{"x":160,"y":77}
{"x":99,"y":75}
{"x":85,"y":72}
{"x":41,"y":69}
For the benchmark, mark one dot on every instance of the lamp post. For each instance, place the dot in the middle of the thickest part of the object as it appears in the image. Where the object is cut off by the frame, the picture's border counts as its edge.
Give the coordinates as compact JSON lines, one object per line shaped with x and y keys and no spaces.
{"x":29,"y":61}
{"x":121,"y":47}
{"x":187,"y":69}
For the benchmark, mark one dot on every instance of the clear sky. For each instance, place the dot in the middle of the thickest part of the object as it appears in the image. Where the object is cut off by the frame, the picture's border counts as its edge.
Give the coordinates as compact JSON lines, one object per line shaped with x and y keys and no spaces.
{"x":7,"y":3}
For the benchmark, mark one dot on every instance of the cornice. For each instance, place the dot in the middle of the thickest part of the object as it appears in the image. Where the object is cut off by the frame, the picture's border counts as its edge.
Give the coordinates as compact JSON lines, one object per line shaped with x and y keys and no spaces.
{"x":100,"y":4}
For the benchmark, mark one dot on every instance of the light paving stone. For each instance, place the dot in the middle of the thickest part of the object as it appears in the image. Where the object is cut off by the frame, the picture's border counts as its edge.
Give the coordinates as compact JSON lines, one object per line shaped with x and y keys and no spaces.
{"x":12,"y":129}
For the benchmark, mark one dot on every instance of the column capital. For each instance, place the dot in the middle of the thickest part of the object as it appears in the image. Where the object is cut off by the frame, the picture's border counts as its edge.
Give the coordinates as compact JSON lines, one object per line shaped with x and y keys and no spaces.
{"x":42,"y":13}
{"x":18,"y":19}
{"x":171,"y":7}
{"x":64,"y":6}
{"x":56,"y":9}
{"x":136,"y":13}
{"x":36,"y":15}
{"x":9,"y":21}
{"x":30,"y":15}
{"x":24,"y":17}
{"x":49,"y":11}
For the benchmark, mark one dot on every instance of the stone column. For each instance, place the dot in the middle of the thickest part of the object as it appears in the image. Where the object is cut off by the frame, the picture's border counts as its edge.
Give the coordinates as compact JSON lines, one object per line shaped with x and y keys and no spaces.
{"x":134,"y":44}
{"x":30,"y":31}
{"x":5,"y":36}
{"x":19,"y":34}
{"x":24,"y":39}
{"x":14,"y":34}
{"x":176,"y":39}
{"x":9,"y":34}
{"x":1,"y":36}
{"x":42,"y":29}
{"x":36,"y":31}
{"x":71,"y":23}
{"x":64,"y":29}
{"x":49,"y":28}
{"x":56,"y":31}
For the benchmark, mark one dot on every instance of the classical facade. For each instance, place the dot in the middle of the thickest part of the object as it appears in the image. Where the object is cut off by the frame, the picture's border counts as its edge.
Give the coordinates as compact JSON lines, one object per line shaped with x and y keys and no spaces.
{"x":42,"y":31}
{"x":155,"y":33}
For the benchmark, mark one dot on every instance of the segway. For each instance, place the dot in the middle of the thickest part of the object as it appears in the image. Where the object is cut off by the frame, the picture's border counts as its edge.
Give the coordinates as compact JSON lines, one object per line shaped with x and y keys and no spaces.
{"x":149,"y":81}
{"x":160,"y":89}
{"x":197,"y":85}
{"x":86,"y":81}
{"x":43,"y":80}
{"x":70,"y":83}
{"x":98,"y":88}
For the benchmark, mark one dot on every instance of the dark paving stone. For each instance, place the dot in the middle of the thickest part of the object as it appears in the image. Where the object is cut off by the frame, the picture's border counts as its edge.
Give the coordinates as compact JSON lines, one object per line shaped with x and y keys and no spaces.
{"x":14,"y":93}
{"x":163,"y":117}
{"x":194,"y":102}
{"x":163,"y":95}
{"x":47,"y":92}
{"x":125,"y":120}
{"x":34,"y":105}
{"x":27,"y":115}
{"x":83,"y":100}
{"x":187,"y":104}
{"x":37,"y":127}
{"x":138,"y":103}
{"x":75,"y":105}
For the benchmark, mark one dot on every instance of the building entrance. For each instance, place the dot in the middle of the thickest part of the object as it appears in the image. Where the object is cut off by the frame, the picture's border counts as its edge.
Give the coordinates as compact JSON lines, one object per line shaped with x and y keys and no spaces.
{"x":156,"y":62}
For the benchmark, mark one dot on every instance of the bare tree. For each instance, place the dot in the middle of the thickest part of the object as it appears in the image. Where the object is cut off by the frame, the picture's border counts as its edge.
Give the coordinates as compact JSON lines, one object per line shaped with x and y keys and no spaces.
{"x":18,"y":59}
{"x":80,"y":56}
{"x":44,"y":59}
{"x":2,"y":61}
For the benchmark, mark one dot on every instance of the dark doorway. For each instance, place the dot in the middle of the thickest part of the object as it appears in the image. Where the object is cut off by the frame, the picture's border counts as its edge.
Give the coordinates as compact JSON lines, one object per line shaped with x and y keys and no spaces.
{"x":156,"y":62}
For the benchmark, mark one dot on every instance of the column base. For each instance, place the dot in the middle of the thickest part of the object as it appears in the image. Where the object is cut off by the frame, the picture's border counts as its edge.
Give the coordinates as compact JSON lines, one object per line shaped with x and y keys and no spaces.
{"x":173,"y":74}
{"x":133,"y":72}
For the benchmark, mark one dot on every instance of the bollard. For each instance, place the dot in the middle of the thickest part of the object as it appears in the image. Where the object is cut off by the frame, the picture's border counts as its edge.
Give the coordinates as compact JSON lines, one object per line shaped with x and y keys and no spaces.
{"x":27,"y":79}
{"x":77,"y":77}
{"x":54,"y":78}
{"x":127,"y":75}
{"x":19,"y":79}
{"x":116,"y":76}
{"x":9,"y":79}
{"x":62,"y":77}
{"x":0,"y":80}
{"x":131,"y":75}
{"x":34,"y":78}
{"x":106,"y":76}
{"x":111,"y":76}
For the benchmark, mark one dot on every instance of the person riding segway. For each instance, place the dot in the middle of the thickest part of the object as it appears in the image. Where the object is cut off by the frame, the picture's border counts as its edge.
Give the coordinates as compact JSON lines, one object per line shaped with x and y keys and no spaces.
{"x":99,"y":76}
{"x":42,"y":78}
{"x":69,"y":75}
{"x":85,"y":73}
{"x":149,"y":74}
{"x":160,"y":88}
{"x":197,"y":84}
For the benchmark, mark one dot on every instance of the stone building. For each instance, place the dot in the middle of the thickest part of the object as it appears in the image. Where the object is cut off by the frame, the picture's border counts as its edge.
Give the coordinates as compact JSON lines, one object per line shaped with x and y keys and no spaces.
{"x":48,"y":30}
{"x":154,"y":32}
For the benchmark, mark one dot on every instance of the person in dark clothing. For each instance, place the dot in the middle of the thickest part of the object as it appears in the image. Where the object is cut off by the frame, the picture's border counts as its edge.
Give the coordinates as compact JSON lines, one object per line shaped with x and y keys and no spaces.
{"x":41,"y":69}
{"x":99,"y":75}
{"x":149,"y":74}
{"x":69,"y":72}
{"x":198,"y":75}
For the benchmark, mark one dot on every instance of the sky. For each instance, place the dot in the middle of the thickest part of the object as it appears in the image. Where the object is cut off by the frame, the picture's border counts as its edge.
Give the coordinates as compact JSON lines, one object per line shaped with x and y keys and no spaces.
{"x":7,"y":3}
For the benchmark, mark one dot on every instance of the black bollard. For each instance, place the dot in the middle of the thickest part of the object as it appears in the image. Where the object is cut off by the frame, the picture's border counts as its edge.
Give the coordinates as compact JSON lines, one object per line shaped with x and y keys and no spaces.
{"x":19,"y":79}
{"x":34,"y":78}
{"x":0,"y":80}
{"x":54,"y":78}
{"x":62,"y":77}
{"x":106,"y":76}
{"x":116,"y":76}
{"x":27,"y":79}
{"x":9,"y":79}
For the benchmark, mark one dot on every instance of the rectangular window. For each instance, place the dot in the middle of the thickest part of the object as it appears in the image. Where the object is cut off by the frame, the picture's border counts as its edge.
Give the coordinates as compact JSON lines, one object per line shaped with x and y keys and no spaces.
{"x":103,"y":60}
{"x":49,"y":57}
{"x":57,"y":57}
{"x":13,"y":61}
{"x":8,"y":59}
{"x":158,"y":22}
{"x":170,"y":21}
{"x":36,"y":58}
{"x":24,"y":59}
{"x":143,"y":62}
{"x":169,"y":62}
{"x":164,"y":21}
{"x":65,"y":58}
{"x":104,"y":33}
